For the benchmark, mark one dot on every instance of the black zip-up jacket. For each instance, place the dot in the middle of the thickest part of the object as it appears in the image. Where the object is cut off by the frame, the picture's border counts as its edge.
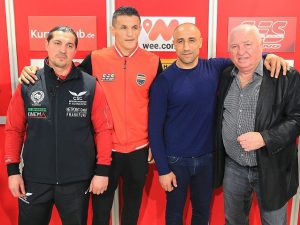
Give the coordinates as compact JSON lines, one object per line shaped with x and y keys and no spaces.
{"x":278,"y":120}
{"x":62,"y":110}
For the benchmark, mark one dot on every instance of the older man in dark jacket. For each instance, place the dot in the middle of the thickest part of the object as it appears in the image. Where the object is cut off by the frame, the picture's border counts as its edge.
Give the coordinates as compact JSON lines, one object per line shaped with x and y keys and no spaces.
{"x":258,"y":120}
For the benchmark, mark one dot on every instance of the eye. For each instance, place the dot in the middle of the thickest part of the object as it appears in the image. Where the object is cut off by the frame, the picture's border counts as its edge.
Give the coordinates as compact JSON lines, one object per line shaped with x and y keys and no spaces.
{"x":70,"y":46}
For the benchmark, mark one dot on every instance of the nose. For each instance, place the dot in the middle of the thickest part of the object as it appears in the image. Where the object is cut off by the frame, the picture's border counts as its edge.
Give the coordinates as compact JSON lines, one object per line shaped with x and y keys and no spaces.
{"x":63,"y":48}
{"x":186,"y":45}
{"x":129,"y":32}
{"x":241,"y":50}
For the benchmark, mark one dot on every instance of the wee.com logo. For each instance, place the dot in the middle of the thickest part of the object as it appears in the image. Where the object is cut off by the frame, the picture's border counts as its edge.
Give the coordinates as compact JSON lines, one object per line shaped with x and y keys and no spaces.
{"x":159,"y":28}
{"x":35,"y":34}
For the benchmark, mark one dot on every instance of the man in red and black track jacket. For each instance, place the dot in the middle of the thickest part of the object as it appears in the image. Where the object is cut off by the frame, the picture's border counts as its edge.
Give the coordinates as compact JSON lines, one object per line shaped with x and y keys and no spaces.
{"x":65,"y":124}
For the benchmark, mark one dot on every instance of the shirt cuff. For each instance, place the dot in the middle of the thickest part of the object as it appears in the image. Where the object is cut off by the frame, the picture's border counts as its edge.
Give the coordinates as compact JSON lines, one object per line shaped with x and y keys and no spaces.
{"x":102,"y":170}
{"x":13,"y":169}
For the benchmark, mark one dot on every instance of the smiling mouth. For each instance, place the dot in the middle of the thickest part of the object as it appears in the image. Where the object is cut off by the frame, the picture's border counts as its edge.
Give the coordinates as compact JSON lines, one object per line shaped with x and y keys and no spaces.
{"x":242,"y":58}
{"x":61,"y":57}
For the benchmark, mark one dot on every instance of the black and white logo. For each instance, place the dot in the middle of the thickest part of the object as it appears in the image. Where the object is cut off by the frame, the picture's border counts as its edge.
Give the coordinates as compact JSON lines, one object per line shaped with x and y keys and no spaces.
{"x":77,"y":99}
{"x":37,"y":97}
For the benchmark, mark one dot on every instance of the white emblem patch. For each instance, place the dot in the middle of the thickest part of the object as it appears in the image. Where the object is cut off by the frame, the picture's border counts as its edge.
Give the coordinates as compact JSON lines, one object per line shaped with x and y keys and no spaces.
{"x":37,"y":97}
{"x":108,"y":77}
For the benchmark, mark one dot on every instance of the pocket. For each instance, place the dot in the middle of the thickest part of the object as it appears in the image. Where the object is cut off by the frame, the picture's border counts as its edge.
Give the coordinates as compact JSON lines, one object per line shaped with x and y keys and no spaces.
{"x":173,"y":159}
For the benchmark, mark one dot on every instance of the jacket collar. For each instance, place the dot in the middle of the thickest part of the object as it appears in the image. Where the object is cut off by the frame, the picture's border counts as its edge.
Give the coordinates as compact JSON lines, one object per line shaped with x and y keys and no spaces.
{"x":73,"y":73}
{"x":129,"y":55}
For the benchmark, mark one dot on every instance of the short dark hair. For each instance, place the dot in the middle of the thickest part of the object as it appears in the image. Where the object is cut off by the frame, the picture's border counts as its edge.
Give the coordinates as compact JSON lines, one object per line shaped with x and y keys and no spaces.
{"x":66,"y":29}
{"x":125,"y":11}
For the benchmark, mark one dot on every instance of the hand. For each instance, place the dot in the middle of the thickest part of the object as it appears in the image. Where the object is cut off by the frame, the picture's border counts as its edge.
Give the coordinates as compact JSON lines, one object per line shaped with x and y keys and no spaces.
{"x":98,"y":185}
{"x":168,"y":181}
{"x":251,"y":141}
{"x":28,"y":74}
{"x":150,"y":157}
{"x":274,"y":62}
{"x":16,"y":185}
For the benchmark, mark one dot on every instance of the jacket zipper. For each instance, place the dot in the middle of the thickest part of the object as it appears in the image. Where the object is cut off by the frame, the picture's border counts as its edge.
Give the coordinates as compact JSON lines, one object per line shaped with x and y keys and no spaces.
{"x":125,"y":99}
{"x":56,"y":131}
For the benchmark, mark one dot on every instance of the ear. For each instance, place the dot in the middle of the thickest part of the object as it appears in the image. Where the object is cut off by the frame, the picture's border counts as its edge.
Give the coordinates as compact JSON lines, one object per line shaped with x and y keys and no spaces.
{"x":261,"y":43}
{"x":112,"y":30}
{"x":200,"y":42}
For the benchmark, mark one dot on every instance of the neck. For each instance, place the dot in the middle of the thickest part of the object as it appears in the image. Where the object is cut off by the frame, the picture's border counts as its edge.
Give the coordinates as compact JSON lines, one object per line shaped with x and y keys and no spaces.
{"x":61,"y":71}
{"x":182,"y":65}
{"x":245,"y":78}
{"x":125,"y":52}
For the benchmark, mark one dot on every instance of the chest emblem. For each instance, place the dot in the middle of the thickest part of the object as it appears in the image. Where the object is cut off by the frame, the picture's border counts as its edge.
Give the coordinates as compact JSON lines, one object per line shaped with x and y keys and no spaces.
{"x":77,"y":99}
{"x":108,"y":77}
{"x":37,"y":97}
{"x":140,"y":79}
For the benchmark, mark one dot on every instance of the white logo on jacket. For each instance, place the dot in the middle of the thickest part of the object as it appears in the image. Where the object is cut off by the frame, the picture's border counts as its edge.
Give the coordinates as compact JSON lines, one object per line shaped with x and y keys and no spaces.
{"x":37,"y":97}
{"x":77,"y":97}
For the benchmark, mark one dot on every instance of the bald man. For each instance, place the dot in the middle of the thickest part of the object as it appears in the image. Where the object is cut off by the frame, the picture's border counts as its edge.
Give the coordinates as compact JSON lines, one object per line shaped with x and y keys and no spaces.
{"x":181,"y":126}
{"x":258,"y":120}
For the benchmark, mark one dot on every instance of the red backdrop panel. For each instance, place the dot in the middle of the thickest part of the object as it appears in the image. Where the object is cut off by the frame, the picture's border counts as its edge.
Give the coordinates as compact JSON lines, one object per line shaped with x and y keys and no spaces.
{"x":176,"y":8}
{"x":5,"y":84}
{"x":23,"y":9}
{"x":8,"y":206}
{"x":256,"y":8}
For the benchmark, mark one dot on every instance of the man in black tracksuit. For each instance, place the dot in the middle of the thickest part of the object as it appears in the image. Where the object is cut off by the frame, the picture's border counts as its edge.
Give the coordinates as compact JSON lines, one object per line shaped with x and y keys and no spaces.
{"x":68,"y":142}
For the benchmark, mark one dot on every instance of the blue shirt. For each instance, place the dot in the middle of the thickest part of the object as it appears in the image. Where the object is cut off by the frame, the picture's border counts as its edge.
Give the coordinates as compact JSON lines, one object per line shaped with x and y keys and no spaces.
{"x":182,"y":111}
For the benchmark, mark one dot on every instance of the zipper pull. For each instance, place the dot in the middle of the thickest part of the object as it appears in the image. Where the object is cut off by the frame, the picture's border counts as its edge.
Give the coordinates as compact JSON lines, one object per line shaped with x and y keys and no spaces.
{"x":125,"y":61}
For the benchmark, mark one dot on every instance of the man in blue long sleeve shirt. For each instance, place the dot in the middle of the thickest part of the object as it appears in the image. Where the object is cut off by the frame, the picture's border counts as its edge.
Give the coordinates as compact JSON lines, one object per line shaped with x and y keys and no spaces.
{"x":181,"y":126}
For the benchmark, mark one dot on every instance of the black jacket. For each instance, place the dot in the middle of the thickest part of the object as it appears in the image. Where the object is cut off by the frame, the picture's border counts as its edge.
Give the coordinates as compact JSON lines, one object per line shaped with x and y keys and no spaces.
{"x":278,"y":121}
{"x":62,"y":111}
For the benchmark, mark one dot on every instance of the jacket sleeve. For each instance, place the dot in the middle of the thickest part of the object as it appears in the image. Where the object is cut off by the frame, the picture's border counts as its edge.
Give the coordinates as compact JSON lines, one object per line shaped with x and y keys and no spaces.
{"x":14,"y":132}
{"x":287,"y":129}
{"x":102,"y":123}
{"x":86,"y":64}
{"x":159,"y":68}
{"x":157,"y":116}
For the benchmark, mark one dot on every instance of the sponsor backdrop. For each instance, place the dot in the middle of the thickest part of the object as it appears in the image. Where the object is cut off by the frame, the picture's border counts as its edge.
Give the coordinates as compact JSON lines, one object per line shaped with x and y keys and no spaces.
{"x":278,"y":22}
{"x":159,"y":18}
{"x":5,"y":87}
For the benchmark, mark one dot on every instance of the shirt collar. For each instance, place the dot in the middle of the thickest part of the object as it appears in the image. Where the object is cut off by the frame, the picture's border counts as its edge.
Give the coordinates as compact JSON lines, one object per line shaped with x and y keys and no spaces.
{"x":258,"y":71}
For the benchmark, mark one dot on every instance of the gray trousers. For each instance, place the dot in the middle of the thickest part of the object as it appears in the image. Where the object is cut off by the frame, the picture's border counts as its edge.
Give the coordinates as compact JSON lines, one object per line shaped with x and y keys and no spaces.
{"x":239,"y":184}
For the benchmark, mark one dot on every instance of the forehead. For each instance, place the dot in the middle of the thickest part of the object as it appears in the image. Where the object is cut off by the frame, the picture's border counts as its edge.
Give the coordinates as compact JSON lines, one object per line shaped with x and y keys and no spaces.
{"x":127,"y":20}
{"x":63,"y":36}
{"x":242,"y":36}
{"x":186,"y":32}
